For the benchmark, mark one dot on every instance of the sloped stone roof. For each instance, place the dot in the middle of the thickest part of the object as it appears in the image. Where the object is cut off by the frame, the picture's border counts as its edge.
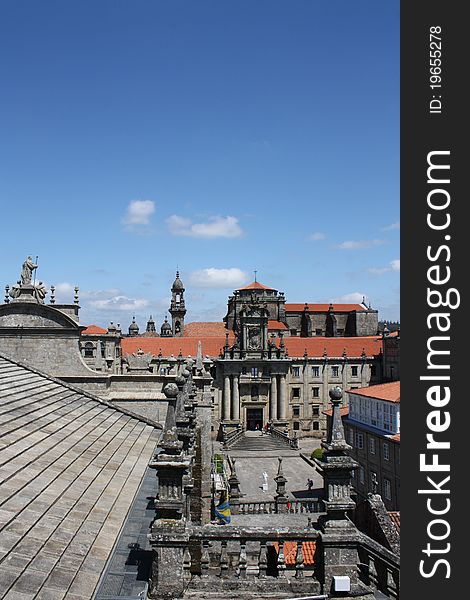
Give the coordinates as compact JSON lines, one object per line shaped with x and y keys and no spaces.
{"x":70,"y":466}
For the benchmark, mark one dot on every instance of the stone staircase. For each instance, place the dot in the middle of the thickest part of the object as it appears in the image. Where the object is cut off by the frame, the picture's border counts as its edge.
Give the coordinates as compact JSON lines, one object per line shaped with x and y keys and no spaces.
{"x":256,"y":442}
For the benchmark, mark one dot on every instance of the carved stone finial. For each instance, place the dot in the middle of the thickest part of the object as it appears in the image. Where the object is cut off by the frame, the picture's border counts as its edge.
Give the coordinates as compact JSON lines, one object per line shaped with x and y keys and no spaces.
{"x":75,"y":296}
{"x":52,"y":300}
{"x":7,"y":297}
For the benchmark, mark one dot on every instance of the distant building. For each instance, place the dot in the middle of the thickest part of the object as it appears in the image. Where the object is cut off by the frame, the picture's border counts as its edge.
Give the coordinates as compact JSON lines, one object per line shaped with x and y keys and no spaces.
{"x":372,"y":428}
{"x":267,"y":361}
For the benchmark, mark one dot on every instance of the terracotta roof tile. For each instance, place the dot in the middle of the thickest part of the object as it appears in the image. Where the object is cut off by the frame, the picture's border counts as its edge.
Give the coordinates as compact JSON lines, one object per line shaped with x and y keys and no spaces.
{"x":395,"y":517}
{"x":383,"y":391}
{"x":274,"y":325}
{"x":290,"y":552}
{"x":205,"y":329}
{"x":334,"y":347}
{"x":94,"y":329}
{"x":213,"y":345}
{"x":315,"y":307}
{"x":256,"y":285}
{"x":344,"y":411}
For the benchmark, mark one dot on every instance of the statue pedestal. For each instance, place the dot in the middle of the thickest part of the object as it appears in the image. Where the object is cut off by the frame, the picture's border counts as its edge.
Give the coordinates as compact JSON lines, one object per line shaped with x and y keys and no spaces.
{"x":25,"y":294}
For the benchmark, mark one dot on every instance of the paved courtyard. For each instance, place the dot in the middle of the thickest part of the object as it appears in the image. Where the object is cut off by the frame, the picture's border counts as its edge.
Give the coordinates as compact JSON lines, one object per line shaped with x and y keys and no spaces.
{"x":250,"y":467}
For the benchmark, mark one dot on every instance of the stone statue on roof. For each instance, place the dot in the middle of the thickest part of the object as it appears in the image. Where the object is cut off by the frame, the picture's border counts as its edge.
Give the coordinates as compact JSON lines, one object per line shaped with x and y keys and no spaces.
{"x":40,"y":292}
{"x":27,"y":271}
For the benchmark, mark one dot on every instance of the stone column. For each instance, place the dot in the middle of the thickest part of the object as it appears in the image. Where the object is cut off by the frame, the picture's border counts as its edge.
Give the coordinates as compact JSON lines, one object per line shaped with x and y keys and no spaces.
{"x":235,"y":399}
{"x":226,"y":399}
{"x":273,"y":399}
{"x":282,"y":412}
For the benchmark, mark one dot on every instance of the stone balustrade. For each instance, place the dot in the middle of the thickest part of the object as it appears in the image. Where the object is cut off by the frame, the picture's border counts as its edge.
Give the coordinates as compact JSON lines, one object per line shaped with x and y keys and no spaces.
{"x":379,"y":568}
{"x":231,"y":437}
{"x":284,"y":437}
{"x":267,"y":507}
{"x":245,"y":557}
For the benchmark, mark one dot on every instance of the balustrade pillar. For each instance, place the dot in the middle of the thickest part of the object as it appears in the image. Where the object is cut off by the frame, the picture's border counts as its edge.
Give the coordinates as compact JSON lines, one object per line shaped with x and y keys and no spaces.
{"x":282,"y":411}
{"x":273,"y":399}
{"x":235,"y":399}
{"x":226,"y":399}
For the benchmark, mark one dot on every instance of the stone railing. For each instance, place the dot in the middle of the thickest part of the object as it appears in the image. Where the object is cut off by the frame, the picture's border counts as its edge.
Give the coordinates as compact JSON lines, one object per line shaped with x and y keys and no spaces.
{"x":267,"y":507}
{"x":379,"y":568}
{"x":284,"y":437}
{"x":305,"y":505}
{"x":247,"y":507}
{"x":240,"y":559}
{"x":266,"y":561}
{"x":230,"y":438}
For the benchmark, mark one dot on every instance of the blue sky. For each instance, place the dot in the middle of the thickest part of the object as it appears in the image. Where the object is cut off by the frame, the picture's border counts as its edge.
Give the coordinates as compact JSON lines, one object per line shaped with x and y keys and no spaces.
{"x":214,"y":136}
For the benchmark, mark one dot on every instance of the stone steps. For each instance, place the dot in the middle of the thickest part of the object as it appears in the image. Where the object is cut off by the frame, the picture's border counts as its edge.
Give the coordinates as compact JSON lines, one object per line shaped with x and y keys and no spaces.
{"x":259,"y":444}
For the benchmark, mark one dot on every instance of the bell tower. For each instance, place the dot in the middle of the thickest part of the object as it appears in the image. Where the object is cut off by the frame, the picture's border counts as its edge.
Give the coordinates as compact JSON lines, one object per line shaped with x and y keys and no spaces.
{"x":177,"y":307}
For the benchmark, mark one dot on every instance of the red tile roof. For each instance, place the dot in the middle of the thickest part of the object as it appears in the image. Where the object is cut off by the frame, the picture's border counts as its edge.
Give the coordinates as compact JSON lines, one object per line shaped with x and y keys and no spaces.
{"x":383,"y":391}
{"x":256,"y":285}
{"x":212,"y":345}
{"x":274,"y":325}
{"x":395,"y":517}
{"x":93,"y":330}
{"x":290,"y":552}
{"x":395,"y":438}
{"x":314,"y":307}
{"x":344,"y":411}
{"x":205,"y":329}
{"x":334,"y":347}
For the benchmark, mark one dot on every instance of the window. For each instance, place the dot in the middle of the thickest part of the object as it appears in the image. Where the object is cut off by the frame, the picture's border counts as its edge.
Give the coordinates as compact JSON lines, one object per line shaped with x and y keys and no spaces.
{"x":372,"y":370}
{"x":372,"y":445}
{"x":296,"y":411}
{"x":254,"y":392}
{"x":387,"y":489}
{"x":315,"y":411}
{"x":359,"y":441}
{"x":361,"y":475}
{"x":315,"y":426}
{"x":296,"y":371}
{"x":254,"y":371}
{"x":340,"y":331}
{"x":296,"y":392}
{"x":350,"y":436}
{"x":318,"y":331}
{"x":89,"y":350}
{"x":335,"y":371}
{"x":315,"y":392}
{"x":386,"y":452}
{"x":296,"y":426}
{"x":354,"y":371}
{"x":315,"y":371}
{"x":293,"y":331}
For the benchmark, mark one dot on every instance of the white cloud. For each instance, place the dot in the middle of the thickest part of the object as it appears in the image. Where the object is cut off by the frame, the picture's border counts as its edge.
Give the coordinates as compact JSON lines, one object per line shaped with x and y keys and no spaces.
{"x":138,"y":213}
{"x":227,"y":227}
{"x":315,"y":237}
{"x":218,"y":278}
{"x":392,"y":226}
{"x":353,"y":298}
{"x":359,"y":244}
{"x":393,"y":266}
{"x":120,"y":303}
